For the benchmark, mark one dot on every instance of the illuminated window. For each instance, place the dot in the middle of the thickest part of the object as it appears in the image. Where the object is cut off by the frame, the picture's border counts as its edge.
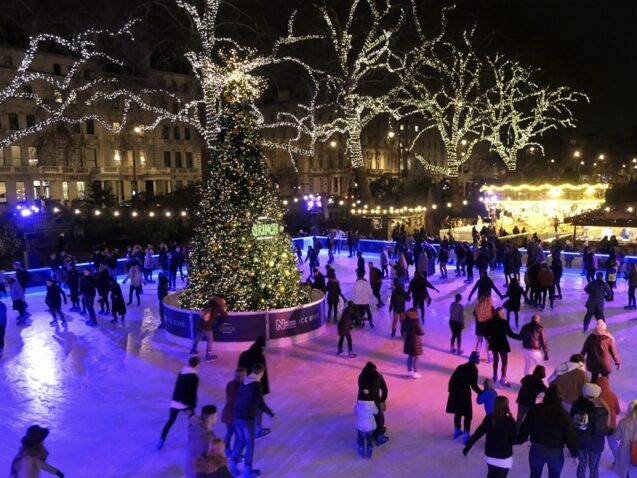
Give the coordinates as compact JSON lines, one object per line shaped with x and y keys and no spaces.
{"x":16,"y":155}
{"x":3,"y":192}
{"x":20,"y":191}
{"x":80,"y":189}
{"x":65,"y":190}
{"x":32,"y":153}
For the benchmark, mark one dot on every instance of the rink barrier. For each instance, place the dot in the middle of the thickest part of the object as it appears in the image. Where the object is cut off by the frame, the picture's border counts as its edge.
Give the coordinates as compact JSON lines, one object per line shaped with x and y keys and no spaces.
{"x":370,"y":246}
{"x":236,"y":331}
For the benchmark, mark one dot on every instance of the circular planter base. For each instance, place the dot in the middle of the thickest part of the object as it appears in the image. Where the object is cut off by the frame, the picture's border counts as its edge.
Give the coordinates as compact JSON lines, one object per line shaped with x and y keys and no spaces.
{"x":236,"y":331}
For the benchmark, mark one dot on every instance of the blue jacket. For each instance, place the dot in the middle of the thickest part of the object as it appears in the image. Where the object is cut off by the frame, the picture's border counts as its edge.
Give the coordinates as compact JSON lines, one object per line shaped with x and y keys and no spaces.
{"x":487,"y":398}
{"x":3,"y":314}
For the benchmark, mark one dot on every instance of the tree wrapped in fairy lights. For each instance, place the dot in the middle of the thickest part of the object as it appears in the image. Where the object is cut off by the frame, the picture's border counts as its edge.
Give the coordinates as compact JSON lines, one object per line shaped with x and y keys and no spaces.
{"x":442,"y":83}
{"x":239,"y":247}
{"x":64,"y":98}
{"x":518,"y":110}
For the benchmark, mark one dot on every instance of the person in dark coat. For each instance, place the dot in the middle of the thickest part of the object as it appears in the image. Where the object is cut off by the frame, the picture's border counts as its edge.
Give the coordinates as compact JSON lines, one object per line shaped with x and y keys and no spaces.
{"x":413,"y":345}
{"x":103,"y":278}
{"x":514,"y":295}
{"x":549,"y":428}
{"x":184,"y":396}
{"x":118,"y":303}
{"x":334,"y":293}
{"x":54,"y":296}
{"x":459,"y":404}
{"x":497,"y":330}
{"x":319,"y":280}
{"x":598,"y":349}
{"x":73,"y":283}
{"x":345,"y":326}
{"x":244,"y":414}
{"x":397,"y":305}
{"x":419,"y":293}
{"x":163,"y":286}
{"x":484,"y":286}
{"x":532,"y":386}
{"x":372,"y":386}
{"x":499,"y":428}
{"x":87,"y":291}
{"x":232,"y":389}
{"x":591,"y":417}
{"x":248,"y":359}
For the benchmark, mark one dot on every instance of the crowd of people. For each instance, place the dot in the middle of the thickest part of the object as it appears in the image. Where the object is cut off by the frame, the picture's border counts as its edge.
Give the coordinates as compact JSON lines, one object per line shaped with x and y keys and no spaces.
{"x":574,"y":408}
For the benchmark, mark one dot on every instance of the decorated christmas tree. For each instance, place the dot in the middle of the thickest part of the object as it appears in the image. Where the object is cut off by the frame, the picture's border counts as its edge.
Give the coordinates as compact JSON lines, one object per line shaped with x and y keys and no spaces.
{"x":240,"y":250}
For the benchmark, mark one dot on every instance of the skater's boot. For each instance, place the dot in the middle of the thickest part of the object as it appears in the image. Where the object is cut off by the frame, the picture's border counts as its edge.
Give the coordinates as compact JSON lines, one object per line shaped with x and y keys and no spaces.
{"x":370,"y":450}
{"x":465,"y":437}
{"x":456,"y":433}
{"x":232,"y":466}
{"x":211,"y":356}
{"x":160,"y":444}
{"x":249,"y":472}
{"x":53,"y":323}
{"x":382,"y":438}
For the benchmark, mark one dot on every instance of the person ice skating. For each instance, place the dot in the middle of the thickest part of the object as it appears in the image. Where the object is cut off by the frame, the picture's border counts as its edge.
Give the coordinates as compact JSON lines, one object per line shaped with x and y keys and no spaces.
{"x":611,"y":277}
{"x":570,"y":376}
{"x":626,"y":434}
{"x":384,"y":262}
{"x":184,"y":398}
{"x":3,"y":325}
{"x":397,"y":305}
{"x":334,"y":294}
{"x":16,"y":292}
{"x":118,"y":304}
{"x":591,"y":418}
{"x":419,"y":293}
{"x":32,"y":457}
{"x":136,"y":280}
{"x":534,"y":344}
{"x":488,"y":396}
{"x":345,"y":325}
{"x":53,"y":299}
{"x":532,"y":386}
{"x":598,"y":291}
{"x":459,"y":404}
{"x":497,"y":332}
{"x":558,"y":270}
{"x":374,"y":382}
{"x":200,"y":437}
{"x":73,"y":283}
{"x":456,"y":324}
{"x":232,"y":389}
{"x":484,"y":286}
{"x":319,"y":280}
{"x":163,"y":287}
{"x":514,"y":295}
{"x":361,"y":292}
{"x":599,"y":348}
{"x":87,"y":291}
{"x":483,"y":312}
{"x":611,"y":400}
{"x":216,"y":307}
{"x":413,"y":344}
{"x":248,"y":360}
{"x":102,"y":281}
{"x":214,"y":463}
{"x":21,"y":275}
{"x":360,"y":264}
{"x":249,"y":400}
{"x":376,"y":282}
{"x":546,"y":281}
{"x":549,"y":428}
{"x":365,"y":410}
{"x":499,"y":429}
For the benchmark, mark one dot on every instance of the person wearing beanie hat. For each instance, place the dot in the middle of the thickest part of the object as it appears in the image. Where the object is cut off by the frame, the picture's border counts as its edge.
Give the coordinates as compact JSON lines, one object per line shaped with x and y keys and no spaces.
{"x":32,"y":455}
{"x":599,"y":348}
{"x":459,"y":404}
{"x":591,"y":417}
{"x":372,"y":381}
{"x":248,"y":359}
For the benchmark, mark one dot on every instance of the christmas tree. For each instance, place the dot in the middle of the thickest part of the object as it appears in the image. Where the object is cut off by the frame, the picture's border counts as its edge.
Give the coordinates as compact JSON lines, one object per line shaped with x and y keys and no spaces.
{"x":239,"y":248}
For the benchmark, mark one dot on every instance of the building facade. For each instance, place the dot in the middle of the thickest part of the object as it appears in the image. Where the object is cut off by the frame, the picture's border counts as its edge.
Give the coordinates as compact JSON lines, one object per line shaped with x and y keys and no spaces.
{"x":63,"y":162}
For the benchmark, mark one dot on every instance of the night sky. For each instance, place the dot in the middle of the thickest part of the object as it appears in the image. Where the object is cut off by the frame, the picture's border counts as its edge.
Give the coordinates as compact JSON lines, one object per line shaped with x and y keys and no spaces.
{"x":590,"y":45}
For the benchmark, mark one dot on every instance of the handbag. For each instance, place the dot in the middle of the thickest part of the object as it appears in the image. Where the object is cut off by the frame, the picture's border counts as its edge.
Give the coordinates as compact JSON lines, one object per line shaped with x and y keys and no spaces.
{"x":633,"y":453}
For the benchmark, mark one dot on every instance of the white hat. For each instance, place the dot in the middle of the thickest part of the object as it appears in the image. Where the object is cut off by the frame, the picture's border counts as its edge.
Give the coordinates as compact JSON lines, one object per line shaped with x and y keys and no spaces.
{"x":590,"y":390}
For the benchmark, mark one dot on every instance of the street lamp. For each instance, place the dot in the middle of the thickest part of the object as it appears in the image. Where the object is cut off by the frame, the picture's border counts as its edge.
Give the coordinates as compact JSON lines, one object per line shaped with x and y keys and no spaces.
{"x":577,"y":154}
{"x":391,"y":134}
{"x":332,"y":144}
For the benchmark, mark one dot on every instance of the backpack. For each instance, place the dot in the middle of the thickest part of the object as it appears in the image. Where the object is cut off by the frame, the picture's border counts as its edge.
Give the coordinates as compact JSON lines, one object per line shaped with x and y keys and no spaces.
{"x":581,"y":421}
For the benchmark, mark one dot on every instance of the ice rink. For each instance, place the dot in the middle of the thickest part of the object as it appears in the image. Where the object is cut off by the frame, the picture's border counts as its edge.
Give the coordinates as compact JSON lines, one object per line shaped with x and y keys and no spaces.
{"x":104,"y":392}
